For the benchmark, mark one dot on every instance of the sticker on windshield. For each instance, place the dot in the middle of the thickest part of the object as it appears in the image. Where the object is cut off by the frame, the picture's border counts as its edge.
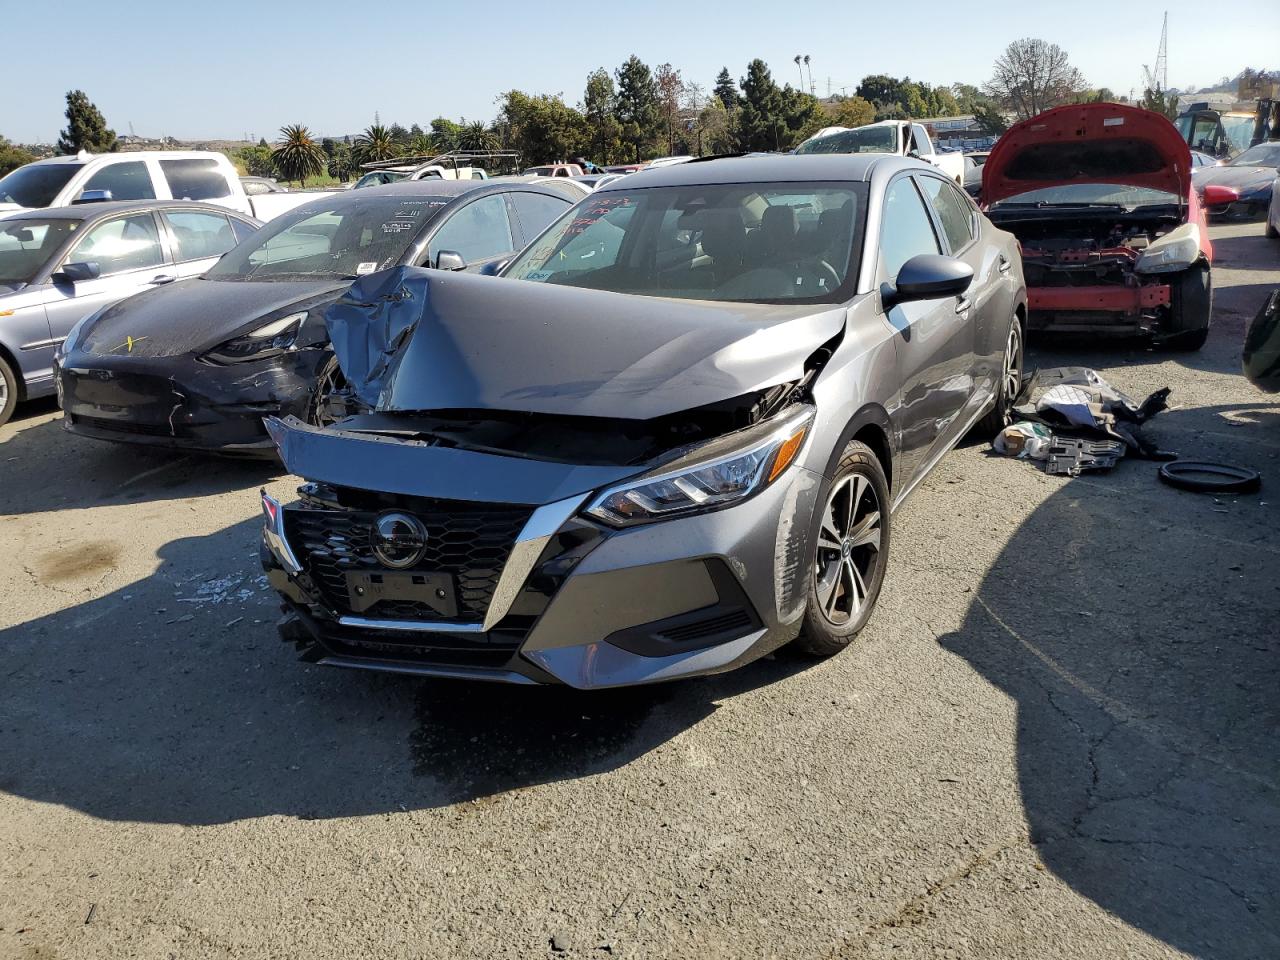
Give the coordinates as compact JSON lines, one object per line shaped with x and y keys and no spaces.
{"x":366,"y":266}
{"x":397,"y":226}
{"x":537,"y":274}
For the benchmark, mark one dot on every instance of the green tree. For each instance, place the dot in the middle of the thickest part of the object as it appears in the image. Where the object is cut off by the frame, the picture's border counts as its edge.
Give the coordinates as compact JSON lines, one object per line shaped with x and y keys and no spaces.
{"x":761,"y":122}
{"x":852,"y":112}
{"x":989,"y":119}
{"x":1157,"y":101}
{"x":297,"y":155}
{"x":716,"y":129}
{"x":543,"y":128}
{"x":598,"y":105}
{"x":637,"y":106}
{"x":725,"y":90}
{"x":803,"y":115}
{"x":399,"y":136}
{"x":257,"y":161}
{"x":375,"y":143}
{"x":86,"y":127}
{"x":11,"y":157}
{"x":445,"y":134}
{"x":341,"y":164}
{"x":477,"y":136}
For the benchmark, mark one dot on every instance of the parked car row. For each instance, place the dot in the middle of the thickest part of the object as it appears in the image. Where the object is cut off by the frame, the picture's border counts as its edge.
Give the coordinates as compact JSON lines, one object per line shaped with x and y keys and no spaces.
{"x":651,"y":431}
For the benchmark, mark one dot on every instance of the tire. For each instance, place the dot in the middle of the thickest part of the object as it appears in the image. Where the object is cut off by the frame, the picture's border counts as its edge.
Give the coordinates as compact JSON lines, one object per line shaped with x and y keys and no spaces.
{"x":8,"y":391}
{"x":328,"y":379}
{"x":1270,"y":230}
{"x":1190,"y":309}
{"x":1011,"y":368}
{"x":840,"y":602}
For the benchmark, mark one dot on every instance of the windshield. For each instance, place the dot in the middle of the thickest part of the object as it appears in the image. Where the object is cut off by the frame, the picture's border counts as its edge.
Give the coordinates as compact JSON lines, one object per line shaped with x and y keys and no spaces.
{"x":1089,"y":194}
{"x":1259,"y":155}
{"x":342,"y":241}
{"x":763,"y":243}
{"x":27,"y":245}
{"x":859,"y":140}
{"x":36,"y":184}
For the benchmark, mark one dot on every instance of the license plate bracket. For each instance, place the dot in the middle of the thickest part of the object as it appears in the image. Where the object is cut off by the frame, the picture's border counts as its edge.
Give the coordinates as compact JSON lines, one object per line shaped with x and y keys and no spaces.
{"x":436,"y":590}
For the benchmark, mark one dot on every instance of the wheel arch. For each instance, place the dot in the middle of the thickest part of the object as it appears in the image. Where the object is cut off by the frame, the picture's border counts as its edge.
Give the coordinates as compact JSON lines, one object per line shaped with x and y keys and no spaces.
{"x":19,"y":380}
{"x":869,"y":425}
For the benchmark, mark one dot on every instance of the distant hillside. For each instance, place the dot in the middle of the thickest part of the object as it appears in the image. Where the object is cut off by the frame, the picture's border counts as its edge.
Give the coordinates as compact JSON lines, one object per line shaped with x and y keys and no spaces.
{"x":1231,"y":84}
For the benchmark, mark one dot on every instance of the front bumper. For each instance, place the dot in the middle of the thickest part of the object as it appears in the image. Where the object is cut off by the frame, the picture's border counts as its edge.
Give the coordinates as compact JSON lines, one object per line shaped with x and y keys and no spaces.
{"x":1250,"y":207}
{"x":182,"y":403}
{"x":1109,"y":309}
{"x":568,"y":602}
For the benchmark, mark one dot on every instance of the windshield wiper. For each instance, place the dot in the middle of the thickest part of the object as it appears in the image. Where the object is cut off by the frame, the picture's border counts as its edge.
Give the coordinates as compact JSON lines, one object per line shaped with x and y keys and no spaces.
{"x":1043,"y":204}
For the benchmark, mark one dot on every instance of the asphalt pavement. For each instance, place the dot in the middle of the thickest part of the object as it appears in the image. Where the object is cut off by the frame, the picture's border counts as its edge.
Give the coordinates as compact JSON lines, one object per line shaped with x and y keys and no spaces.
{"x":1056,"y":738}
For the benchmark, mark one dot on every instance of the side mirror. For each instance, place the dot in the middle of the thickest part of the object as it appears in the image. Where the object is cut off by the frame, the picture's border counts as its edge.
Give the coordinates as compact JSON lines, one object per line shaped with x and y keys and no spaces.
{"x":79,"y":272}
{"x":93,"y":196}
{"x":1216,"y":195}
{"x":450,"y":260}
{"x":492,"y":268}
{"x":927,"y":277}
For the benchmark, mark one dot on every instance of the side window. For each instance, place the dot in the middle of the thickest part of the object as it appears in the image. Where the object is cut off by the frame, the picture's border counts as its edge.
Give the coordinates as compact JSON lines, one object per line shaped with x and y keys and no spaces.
{"x":199,"y":235}
{"x":536,"y":211}
{"x":478,"y":231}
{"x":254,"y":188}
{"x":195,"y":179}
{"x":907,"y":230}
{"x":954,"y":213}
{"x":242,"y":229}
{"x":126,"y":243}
{"x":920,"y":136}
{"x":126,"y":181}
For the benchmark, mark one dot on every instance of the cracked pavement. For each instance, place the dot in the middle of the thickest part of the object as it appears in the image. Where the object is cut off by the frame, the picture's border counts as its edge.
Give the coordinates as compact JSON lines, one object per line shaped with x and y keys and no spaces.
{"x":1057,"y":737}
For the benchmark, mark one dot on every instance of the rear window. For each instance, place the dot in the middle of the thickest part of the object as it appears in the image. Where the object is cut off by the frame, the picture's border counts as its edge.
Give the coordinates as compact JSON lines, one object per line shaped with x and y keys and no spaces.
{"x":124,"y":181}
{"x":195,"y":179}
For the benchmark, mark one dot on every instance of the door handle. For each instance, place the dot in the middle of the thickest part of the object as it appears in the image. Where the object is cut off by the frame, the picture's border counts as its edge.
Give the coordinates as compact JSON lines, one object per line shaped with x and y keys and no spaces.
{"x":1004,"y":264}
{"x":962,"y":304}
{"x":162,"y":278}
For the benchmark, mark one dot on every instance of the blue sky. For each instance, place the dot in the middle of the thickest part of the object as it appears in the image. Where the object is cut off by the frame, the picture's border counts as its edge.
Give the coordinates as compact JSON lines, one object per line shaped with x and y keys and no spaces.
{"x":224,"y":69}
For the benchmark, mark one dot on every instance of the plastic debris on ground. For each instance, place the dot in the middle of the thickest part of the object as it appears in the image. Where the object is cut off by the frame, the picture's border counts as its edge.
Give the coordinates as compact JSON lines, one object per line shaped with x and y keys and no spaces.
{"x":1072,"y":420}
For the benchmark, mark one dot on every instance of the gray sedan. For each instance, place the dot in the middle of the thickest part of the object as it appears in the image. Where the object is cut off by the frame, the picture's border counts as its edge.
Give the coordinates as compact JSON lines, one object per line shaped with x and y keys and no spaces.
{"x":60,"y":265}
{"x":675,"y":446}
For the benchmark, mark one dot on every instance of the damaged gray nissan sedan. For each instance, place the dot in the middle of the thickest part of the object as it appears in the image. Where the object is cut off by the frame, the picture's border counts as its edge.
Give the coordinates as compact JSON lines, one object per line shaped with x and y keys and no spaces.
{"x":669,"y":438}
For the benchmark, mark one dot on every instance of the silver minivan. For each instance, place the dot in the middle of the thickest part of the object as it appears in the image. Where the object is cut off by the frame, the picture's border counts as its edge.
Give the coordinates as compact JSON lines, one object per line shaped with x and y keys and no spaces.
{"x":61,"y":265}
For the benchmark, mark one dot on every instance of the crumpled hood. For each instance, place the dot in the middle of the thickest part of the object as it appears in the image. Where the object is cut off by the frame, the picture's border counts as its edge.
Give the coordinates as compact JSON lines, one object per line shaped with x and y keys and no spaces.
{"x":196,"y":315}
{"x":1243,"y":179}
{"x":410,"y":339}
{"x":1088,"y":143}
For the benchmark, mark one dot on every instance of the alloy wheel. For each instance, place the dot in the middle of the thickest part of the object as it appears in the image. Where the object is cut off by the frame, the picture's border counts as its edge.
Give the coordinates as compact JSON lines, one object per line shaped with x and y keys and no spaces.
{"x":1011,"y":380}
{"x":848,"y":548}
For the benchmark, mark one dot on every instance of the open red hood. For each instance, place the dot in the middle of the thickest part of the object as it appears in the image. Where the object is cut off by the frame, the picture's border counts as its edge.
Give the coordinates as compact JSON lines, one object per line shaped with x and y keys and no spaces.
{"x":1088,"y":143}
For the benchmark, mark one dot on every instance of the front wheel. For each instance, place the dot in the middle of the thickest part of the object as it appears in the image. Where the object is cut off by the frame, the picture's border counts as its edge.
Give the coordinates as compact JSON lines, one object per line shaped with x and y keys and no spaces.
{"x":8,"y":391}
{"x":1190,"y":309}
{"x":851,"y":553}
{"x":1010,"y":385}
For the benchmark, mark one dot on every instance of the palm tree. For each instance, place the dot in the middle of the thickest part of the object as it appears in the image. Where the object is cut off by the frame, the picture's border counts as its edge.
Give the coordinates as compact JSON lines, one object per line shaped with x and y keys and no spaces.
{"x":297,"y":155}
{"x":476,"y":136}
{"x":375,"y":144}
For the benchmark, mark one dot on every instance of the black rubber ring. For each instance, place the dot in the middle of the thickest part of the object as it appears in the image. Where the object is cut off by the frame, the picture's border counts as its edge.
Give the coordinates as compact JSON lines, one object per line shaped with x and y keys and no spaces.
{"x":1190,"y":475}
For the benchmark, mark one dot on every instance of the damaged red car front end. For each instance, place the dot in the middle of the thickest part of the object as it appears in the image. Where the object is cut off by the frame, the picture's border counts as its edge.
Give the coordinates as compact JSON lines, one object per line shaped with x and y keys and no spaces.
{"x":1113,"y":236}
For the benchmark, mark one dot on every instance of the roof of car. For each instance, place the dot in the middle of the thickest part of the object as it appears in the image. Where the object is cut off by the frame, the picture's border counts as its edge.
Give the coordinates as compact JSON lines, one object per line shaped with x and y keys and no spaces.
{"x":87,"y":211}
{"x":124,"y":156}
{"x":770,"y":168}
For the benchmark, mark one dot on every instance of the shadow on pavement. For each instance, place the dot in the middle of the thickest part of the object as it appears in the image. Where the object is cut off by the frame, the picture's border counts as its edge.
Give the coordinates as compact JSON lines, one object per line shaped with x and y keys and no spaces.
{"x":75,"y":472}
{"x":1136,"y":628}
{"x":140,"y":706}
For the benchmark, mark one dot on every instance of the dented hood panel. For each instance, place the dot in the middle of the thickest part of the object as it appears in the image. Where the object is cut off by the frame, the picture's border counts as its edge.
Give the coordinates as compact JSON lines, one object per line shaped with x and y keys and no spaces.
{"x":1088,"y":143}
{"x":410,"y":339}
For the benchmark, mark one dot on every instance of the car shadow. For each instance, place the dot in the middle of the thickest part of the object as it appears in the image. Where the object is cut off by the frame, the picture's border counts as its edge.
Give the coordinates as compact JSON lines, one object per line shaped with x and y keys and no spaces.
{"x":77,"y":471}
{"x":1135,"y":627}
{"x":167,"y":702}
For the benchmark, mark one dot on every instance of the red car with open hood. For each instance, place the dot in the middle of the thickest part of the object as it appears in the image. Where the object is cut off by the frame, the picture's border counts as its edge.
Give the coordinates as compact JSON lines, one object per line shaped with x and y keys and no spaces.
{"x":1114,"y":239}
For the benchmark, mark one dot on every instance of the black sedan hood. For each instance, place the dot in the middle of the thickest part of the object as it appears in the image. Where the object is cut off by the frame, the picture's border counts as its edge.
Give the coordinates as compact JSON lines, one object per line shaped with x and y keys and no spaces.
{"x":192,"y":316}
{"x":1243,"y":179}
{"x":410,"y":339}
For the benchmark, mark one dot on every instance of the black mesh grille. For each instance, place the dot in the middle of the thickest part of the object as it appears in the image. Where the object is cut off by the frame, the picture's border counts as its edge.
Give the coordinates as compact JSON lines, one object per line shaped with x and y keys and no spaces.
{"x":469,"y":543}
{"x":127,"y":426}
{"x":711,"y":626}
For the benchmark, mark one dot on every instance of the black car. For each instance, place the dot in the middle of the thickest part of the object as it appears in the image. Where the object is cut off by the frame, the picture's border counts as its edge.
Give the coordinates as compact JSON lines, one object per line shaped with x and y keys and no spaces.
{"x":198,"y":363}
{"x":1250,"y":175}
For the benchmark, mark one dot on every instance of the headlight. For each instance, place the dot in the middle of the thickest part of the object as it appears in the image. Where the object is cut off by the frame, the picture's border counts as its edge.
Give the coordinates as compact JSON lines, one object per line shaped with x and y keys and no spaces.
{"x":271,"y":338}
{"x":1176,"y":250}
{"x":708,"y":477}
{"x":73,"y":338}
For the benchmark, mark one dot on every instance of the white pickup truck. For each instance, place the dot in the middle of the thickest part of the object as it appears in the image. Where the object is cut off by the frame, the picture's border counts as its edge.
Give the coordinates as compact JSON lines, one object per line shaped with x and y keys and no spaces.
{"x":149,"y":175}
{"x":902,"y":137}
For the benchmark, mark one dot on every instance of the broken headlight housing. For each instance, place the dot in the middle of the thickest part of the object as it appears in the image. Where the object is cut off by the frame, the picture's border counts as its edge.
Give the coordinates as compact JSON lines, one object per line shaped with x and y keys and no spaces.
{"x":708,"y":477}
{"x":273,"y":337}
{"x":1176,"y":250}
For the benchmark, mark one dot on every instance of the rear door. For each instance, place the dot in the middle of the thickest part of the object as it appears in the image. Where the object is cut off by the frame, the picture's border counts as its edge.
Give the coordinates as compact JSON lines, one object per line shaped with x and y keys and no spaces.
{"x":197,"y":238}
{"x":935,"y":337}
{"x":131,"y":258}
